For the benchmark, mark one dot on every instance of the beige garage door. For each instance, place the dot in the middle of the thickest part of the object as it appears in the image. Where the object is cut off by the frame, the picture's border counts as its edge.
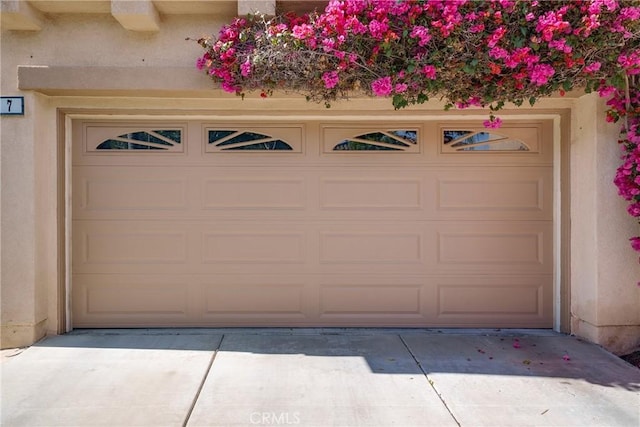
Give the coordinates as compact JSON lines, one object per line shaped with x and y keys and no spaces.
{"x":196,"y":223}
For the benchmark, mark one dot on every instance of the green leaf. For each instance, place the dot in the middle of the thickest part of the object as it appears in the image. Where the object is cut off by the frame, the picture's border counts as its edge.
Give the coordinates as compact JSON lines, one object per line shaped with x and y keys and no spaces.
{"x":567,"y":85}
{"x":399,"y":101}
{"x":590,"y":86}
{"x":617,"y":80}
{"x":532,"y":100}
{"x":498,"y":106}
{"x":422,"y":98}
{"x":469,"y":69}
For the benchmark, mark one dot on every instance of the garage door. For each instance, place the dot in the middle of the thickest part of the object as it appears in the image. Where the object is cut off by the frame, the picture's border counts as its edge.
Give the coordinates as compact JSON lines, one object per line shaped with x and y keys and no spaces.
{"x":238,"y":223}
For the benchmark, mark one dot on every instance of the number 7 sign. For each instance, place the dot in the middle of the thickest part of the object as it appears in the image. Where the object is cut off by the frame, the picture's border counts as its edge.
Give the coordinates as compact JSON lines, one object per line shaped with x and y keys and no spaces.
{"x":12,"y":105}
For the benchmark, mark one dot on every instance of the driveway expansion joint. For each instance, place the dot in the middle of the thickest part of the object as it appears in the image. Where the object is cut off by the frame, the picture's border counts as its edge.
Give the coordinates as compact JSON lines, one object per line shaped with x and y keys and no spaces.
{"x":201,"y":385}
{"x":429,"y":380}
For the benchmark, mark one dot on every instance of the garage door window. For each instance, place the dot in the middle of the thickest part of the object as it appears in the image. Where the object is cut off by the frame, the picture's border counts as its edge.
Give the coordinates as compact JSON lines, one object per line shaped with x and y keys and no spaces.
{"x":225,"y":140}
{"x":468,"y":140}
{"x":159,"y":139}
{"x":389,"y":140}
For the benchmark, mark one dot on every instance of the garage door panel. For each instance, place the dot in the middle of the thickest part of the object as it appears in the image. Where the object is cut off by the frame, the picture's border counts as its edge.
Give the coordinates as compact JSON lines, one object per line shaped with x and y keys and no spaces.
{"x":475,"y":246}
{"x":276,"y":297}
{"x":130,"y":299}
{"x":124,"y":189}
{"x":119,"y":243}
{"x":374,"y":247}
{"x":493,"y":193}
{"x":253,"y":247}
{"x":511,"y":300}
{"x":351,"y":301}
{"x":371,"y":193}
{"x":262,"y":192}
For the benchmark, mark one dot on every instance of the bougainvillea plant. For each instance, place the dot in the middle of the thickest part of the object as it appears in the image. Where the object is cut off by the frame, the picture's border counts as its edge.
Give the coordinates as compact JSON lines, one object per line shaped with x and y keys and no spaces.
{"x":467,"y":53}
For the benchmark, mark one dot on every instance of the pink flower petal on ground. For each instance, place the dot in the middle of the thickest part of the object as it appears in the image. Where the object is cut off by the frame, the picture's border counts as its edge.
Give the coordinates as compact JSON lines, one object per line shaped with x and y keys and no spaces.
{"x":566,"y":358}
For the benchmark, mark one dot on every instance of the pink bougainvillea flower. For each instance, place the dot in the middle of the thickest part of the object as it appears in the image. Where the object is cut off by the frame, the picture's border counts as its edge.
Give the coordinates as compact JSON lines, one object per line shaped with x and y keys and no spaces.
{"x":593,"y":67}
{"x":606,"y":91}
{"x":401,"y":87}
{"x":330,"y":79}
{"x":540,"y":74}
{"x":561,"y":45}
{"x":303,"y":31}
{"x":422,"y":34}
{"x":429,"y":72}
{"x":635,"y":243}
{"x":245,"y":68}
{"x":229,"y":87}
{"x":496,"y":36}
{"x":498,"y":53}
{"x":378,"y":29}
{"x":516,"y":343}
{"x":634,"y":209}
{"x":566,"y":358}
{"x":382,"y":86}
{"x":631,"y":63}
{"x":493,"y":123}
{"x":477,"y":28}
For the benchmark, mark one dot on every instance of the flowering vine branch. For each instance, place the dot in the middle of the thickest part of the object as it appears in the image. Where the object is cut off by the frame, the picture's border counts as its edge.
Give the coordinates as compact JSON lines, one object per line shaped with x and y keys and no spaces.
{"x":468,"y":53}
{"x":627,"y":104}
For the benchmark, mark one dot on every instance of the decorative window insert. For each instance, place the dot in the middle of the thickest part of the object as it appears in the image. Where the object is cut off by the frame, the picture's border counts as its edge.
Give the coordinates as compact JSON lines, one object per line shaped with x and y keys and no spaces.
{"x":255,"y":140}
{"x":156,"y":139}
{"x":383,"y":140}
{"x":459,"y":140}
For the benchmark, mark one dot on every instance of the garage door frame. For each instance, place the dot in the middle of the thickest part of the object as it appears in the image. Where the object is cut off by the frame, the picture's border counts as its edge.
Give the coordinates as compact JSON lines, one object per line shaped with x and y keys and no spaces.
{"x":560,"y":184}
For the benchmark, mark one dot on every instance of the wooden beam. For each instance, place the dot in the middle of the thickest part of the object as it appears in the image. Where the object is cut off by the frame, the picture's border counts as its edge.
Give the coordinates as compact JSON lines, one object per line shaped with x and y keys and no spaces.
{"x":19,"y":15}
{"x":246,"y":7}
{"x":139,"y":15}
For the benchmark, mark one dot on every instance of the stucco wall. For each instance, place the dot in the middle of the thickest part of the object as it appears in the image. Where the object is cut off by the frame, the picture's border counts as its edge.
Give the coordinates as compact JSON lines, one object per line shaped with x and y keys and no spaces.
{"x":604,"y":270}
{"x":18,"y":228}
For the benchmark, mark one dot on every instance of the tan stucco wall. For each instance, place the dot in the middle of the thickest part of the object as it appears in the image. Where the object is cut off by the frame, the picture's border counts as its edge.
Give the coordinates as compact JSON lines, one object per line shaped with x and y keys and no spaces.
{"x":604,"y":270}
{"x":28,"y":240}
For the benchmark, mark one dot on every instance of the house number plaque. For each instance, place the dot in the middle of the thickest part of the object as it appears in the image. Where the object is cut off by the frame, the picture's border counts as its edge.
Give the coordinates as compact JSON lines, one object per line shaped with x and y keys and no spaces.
{"x":12,"y":105}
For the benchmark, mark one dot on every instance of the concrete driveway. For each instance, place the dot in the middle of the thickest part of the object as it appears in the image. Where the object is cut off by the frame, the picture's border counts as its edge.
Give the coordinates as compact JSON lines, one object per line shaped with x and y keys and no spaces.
{"x":317,"y":377}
